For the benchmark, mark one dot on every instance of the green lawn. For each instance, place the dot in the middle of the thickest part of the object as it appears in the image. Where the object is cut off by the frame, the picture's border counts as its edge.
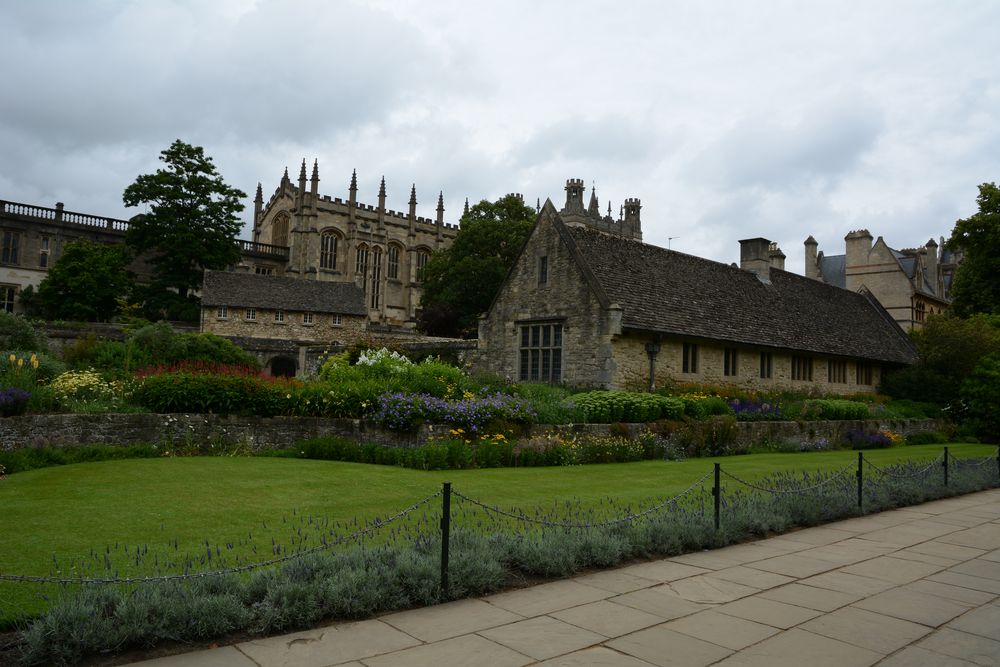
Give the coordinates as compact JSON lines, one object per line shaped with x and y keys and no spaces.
{"x":62,"y":513}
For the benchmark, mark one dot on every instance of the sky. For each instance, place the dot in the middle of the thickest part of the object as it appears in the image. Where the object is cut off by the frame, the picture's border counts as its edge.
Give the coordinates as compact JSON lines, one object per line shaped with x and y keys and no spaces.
{"x":729,"y":120}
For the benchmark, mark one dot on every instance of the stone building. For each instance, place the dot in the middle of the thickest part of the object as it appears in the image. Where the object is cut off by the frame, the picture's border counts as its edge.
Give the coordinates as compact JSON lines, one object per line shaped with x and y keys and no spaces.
{"x":911,"y":284}
{"x":592,"y":308}
{"x":247,"y":305}
{"x":329,"y":239}
{"x":33,"y":237}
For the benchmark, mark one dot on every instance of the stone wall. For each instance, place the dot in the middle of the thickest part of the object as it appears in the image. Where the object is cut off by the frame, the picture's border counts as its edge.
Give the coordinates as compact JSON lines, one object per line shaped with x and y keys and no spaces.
{"x":257,"y":433}
{"x":323,"y":327}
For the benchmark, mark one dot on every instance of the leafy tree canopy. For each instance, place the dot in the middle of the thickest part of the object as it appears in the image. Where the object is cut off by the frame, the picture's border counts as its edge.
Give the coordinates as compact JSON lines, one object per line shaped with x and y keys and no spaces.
{"x":192,"y":222}
{"x":949,"y":349}
{"x":84,"y":284}
{"x":977,"y":282}
{"x":461,"y":281}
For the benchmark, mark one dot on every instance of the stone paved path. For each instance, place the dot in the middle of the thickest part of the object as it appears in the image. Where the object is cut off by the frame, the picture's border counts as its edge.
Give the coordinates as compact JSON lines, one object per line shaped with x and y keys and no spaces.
{"x":910,"y":587}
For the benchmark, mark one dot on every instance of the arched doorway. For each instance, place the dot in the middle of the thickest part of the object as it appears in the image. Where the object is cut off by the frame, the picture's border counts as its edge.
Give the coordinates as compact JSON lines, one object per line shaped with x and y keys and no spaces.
{"x":282,"y":367}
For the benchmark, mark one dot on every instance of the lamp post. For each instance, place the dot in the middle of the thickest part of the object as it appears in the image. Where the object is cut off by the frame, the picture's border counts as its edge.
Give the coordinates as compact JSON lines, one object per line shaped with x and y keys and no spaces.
{"x":652,"y":349}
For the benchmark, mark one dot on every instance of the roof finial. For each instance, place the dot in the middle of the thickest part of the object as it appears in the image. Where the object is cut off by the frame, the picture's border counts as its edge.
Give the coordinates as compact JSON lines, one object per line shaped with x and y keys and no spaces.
{"x":466,"y":210}
{"x":315,"y":174}
{"x":413,"y":195}
{"x":302,"y":172}
{"x":259,"y":198}
{"x":381,"y":188}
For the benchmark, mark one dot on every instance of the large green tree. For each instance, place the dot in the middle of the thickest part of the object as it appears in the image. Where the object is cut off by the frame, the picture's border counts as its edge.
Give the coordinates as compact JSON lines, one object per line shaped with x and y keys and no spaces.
{"x":461,"y":281}
{"x":84,"y":283}
{"x":192,"y":221}
{"x":977,"y":282}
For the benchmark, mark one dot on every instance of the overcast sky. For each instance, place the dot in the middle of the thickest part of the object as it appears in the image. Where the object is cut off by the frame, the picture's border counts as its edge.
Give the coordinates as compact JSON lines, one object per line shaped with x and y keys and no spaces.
{"x":728,"y":119}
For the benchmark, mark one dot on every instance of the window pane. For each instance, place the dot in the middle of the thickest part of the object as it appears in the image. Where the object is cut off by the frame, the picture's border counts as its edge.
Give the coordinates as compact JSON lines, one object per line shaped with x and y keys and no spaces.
{"x":546,"y":336}
{"x":524,"y":365}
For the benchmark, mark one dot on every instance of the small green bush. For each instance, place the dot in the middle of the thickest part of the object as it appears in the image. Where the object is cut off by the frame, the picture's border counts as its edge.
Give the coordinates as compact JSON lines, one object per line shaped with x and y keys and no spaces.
{"x":926,"y":438}
{"x":16,"y":333}
{"x":212,"y":393}
{"x":605,"y":407}
{"x":834,"y":409}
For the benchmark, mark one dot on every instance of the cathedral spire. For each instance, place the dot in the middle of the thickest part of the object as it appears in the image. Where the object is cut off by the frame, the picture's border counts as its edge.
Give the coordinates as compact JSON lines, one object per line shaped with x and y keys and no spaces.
{"x":466,"y":211}
{"x":381,"y":189}
{"x":440,"y":208}
{"x":413,"y":195}
{"x":593,"y":209}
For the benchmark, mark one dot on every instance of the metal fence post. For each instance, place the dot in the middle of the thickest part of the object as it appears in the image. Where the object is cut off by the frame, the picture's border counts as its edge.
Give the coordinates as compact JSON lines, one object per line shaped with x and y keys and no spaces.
{"x":946,"y":466}
{"x":860,"y":474}
{"x":445,"y":530}
{"x":717,"y":492}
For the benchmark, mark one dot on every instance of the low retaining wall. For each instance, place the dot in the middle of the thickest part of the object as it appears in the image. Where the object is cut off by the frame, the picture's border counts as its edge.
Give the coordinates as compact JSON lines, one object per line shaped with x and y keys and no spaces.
{"x":281,"y":432}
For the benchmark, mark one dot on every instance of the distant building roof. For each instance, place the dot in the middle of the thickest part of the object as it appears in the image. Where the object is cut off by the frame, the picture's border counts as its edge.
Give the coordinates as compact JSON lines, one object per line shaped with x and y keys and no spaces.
{"x":834,"y":271}
{"x":249,"y":290}
{"x":669,"y":292}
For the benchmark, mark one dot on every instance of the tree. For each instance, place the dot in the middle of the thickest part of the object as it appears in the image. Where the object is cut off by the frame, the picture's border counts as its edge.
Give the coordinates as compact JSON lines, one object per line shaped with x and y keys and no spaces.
{"x":85,"y":283}
{"x":192,"y":222}
{"x":949,"y":349}
{"x":976,"y":288}
{"x":461,"y":281}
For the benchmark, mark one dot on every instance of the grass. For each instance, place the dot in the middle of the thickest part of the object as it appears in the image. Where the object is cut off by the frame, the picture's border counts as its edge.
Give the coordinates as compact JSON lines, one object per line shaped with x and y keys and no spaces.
{"x":56,"y":516}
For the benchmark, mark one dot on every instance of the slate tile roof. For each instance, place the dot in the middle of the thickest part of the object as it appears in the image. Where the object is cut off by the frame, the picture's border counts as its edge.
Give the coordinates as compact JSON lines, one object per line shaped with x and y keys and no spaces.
{"x":670,"y":292}
{"x":249,"y":290}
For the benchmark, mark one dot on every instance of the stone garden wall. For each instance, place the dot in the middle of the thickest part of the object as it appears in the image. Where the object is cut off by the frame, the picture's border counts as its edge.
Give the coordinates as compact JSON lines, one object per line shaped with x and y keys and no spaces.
{"x":256,"y":433}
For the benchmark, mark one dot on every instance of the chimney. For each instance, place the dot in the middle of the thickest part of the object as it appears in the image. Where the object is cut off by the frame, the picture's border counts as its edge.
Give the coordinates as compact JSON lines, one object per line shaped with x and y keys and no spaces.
{"x":931,"y":262}
{"x":631,"y":225}
{"x":812,"y":262}
{"x":858,"y":247}
{"x":775,"y":257}
{"x":755,"y":257}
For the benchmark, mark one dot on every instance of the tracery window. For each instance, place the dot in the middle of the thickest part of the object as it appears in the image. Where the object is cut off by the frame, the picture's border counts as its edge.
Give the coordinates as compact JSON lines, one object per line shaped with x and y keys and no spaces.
{"x":328,"y":251}
{"x":279,"y":230}
{"x":376,"y":281}
{"x":393,"y":262}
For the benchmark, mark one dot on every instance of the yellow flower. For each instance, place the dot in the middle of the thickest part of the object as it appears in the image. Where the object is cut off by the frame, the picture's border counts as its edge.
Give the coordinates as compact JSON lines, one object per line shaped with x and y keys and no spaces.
{"x":20,"y":363}
{"x":34,"y":361}
{"x":12,"y":358}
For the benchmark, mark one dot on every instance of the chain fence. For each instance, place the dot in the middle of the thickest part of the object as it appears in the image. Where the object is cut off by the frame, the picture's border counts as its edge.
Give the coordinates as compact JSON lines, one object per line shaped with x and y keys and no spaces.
{"x":837,"y":475}
{"x":885,"y":472}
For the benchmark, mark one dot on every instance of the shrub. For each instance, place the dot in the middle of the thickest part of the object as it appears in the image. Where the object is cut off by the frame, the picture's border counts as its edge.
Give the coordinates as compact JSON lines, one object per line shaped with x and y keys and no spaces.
{"x":862,"y":440}
{"x":926,"y":438}
{"x":834,"y":409}
{"x":715,"y":436}
{"x":403,"y":411}
{"x":699,"y":406}
{"x":16,"y":333}
{"x":213,"y":393}
{"x":755,"y":410}
{"x":981,"y":395}
{"x":81,"y":386}
{"x":32,"y":366}
{"x":605,"y":407}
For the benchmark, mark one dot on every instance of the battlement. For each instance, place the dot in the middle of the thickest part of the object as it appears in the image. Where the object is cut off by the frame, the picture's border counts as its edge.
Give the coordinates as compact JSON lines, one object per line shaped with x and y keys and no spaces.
{"x":574,"y":182}
{"x":633,"y":201}
{"x":858,"y":233}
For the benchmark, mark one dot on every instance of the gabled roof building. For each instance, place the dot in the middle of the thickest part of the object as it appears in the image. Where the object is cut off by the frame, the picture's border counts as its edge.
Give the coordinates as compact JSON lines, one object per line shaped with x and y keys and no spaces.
{"x":911,"y":283}
{"x":588,"y":307}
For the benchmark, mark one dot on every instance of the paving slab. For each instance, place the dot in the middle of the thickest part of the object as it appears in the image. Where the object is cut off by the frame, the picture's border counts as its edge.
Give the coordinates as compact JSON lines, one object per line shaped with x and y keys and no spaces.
{"x":971,"y":647}
{"x":938,"y":548}
{"x":607,"y":618}
{"x":328,"y":646}
{"x":986,"y":536}
{"x":225,"y":656}
{"x":597,"y":656}
{"x":846,"y":554}
{"x":659,"y":601}
{"x":708,"y":560}
{"x":912,"y":605}
{"x":456,"y":652}
{"x":616,"y":581}
{"x":993,"y":556}
{"x":709,"y":589}
{"x":839,"y":580}
{"x":895,"y":570}
{"x":663,"y":570}
{"x":769,"y":612}
{"x":967,"y":581}
{"x":949,"y":592}
{"x":752,"y":577}
{"x":667,"y":648}
{"x":983,"y":621}
{"x":450,"y":620}
{"x":819,"y":535}
{"x":876,"y":632}
{"x":543,"y":637}
{"x":795,"y":565}
{"x":914,"y":656}
{"x":546,"y":598}
{"x":811,"y":597}
{"x":796,"y":648}
{"x":978,"y":567}
{"x":726,"y":631}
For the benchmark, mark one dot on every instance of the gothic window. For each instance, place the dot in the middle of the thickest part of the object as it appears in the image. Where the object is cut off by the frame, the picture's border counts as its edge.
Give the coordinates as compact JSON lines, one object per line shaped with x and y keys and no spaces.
{"x":802,"y":368}
{"x":328,"y":251}
{"x":730,"y":362}
{"x":43,"y":253}
{"x":920,"y":311}
{"x":376,"y":290}
{"x":422,"y":257}
{"x":689,"y":358}
{"x":7,"y":295}
{"x":541,"y":352}
{"x":766,"y":365}
{"x":362,"y":260}
{"x":393,"y":262}
{"x":837,"y":372}
{"x":279,"y":230}
{"x":11,"y":243}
